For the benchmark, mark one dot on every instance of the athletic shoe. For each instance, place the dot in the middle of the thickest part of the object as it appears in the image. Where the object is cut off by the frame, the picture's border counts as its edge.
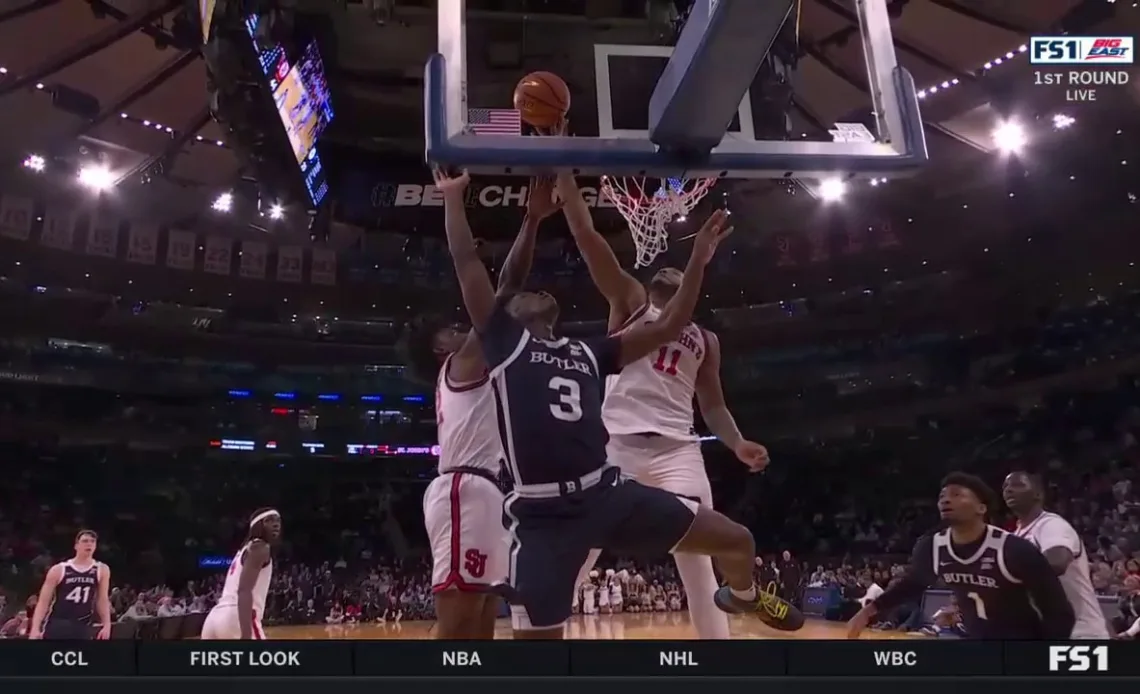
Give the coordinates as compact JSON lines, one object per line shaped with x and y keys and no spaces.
{"x":769,"y":607}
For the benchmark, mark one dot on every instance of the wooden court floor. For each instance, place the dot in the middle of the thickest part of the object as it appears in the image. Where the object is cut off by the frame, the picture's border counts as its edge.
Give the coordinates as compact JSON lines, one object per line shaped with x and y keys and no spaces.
{"x":664,"y":626}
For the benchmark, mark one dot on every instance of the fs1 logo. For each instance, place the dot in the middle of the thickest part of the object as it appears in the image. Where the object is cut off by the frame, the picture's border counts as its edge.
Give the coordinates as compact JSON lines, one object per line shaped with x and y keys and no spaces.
{"x":1080,"y":50}
{"x":1078,"y":658}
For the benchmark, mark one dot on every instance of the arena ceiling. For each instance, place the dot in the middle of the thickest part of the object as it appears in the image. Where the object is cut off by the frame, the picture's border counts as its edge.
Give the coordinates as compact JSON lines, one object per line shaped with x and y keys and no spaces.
{"x":139,"y":100}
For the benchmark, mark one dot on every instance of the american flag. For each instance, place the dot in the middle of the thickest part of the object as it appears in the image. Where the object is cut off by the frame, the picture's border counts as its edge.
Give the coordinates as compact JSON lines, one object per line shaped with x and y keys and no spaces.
{"x":494,"y":121}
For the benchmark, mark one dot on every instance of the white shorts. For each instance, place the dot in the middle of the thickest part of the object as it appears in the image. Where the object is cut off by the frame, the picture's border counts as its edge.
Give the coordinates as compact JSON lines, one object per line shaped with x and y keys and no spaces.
{"x":222,"y":625}
{"x":463,"y":514}
{"x":668,"y":464}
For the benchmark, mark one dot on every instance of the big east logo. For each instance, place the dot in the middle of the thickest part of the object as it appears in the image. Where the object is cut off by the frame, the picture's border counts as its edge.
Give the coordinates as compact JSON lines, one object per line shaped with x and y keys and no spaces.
{"x":1080,"y":50}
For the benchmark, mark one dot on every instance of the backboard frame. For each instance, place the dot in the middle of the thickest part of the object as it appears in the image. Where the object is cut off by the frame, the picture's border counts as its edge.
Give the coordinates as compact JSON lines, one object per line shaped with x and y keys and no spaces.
{"x":901,"y":149}
{"x":602,"y":54}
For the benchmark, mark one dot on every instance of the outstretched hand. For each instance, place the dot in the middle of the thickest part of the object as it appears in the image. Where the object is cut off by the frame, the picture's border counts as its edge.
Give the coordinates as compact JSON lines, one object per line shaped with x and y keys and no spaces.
{"x":714,"y":230}
{"x":556,"y":130}
{"x":447,"y":183}
{"x":541,"y":202}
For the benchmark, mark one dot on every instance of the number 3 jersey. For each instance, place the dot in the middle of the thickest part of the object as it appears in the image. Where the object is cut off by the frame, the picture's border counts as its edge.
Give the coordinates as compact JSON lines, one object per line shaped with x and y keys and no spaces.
{"x":654,"y":395}
{"x":548,"y":395}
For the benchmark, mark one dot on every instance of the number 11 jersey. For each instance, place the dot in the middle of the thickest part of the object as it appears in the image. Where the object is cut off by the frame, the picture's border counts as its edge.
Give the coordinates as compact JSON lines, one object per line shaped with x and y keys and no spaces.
{"x":654,"y":395}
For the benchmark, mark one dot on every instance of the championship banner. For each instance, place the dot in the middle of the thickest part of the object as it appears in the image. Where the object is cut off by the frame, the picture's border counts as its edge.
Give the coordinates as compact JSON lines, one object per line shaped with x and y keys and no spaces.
{"x":180,"y":249}
{"x":253,"y":259}
{"x":16,"y":217}
{"x":887,"y":658}
{"x":142,"y":243}
{"x":103,"y":236}
{"x":290,"y":260}
{"x":323,"y":270}
{"x":59,"y":228}
{"x":218,"y":258}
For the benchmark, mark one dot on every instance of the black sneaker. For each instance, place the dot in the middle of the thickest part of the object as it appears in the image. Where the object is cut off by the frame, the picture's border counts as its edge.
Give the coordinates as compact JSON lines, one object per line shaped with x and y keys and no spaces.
{"x":769,"y":607}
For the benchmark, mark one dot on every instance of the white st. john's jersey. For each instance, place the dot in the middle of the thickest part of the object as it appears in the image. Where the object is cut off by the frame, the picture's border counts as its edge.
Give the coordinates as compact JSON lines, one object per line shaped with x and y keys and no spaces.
{"x":229,"y":596}
{"x":1050,"y":530}
{"x":654,"y":395}
{"x":468,"y":429}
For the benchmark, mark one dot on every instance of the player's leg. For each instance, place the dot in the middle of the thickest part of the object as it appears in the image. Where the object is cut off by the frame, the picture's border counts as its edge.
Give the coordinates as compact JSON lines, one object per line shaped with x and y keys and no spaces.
{"x":647,"y":520}
{"x":465,"y":531}
{"x":221,"y":624}
{"x":680,"y":469}
{"x":547,"y":549}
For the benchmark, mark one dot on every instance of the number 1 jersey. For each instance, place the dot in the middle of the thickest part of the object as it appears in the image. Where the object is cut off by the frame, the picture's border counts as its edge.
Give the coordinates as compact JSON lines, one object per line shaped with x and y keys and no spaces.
{"x":654,"y":395}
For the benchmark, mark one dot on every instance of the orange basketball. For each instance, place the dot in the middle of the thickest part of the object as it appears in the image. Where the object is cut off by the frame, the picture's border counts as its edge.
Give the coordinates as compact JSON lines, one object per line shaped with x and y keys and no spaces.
{"x":542,"y":98}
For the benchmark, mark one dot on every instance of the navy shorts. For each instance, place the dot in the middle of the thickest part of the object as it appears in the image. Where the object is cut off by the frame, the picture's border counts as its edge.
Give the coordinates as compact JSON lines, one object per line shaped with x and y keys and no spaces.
{"x":552,"y":537}
{"x":68,"y":630}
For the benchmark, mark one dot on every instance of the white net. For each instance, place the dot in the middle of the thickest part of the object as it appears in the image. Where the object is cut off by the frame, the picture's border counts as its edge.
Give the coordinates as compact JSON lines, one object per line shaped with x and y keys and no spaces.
{"x":649,"y":210}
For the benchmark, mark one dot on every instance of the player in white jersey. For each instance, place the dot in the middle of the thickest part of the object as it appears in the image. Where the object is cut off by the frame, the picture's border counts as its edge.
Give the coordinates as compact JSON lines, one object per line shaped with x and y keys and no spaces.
{"x":463,"y":507}
{"x":589,"y":592}
{"x":1024,"y":494}
{"x":648,"y":408}
{"x":241,"y":607}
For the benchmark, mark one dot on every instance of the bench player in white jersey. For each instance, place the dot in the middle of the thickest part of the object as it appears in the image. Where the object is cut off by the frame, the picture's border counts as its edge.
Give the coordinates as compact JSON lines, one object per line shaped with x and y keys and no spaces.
{"x":648,"y":407}
{"x":1024,"y":494}
{"x":241,"y":607}
{"x":463,"y":507}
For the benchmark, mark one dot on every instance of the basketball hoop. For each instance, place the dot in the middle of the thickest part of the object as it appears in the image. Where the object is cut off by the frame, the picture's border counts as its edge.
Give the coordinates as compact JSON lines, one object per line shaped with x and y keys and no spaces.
{"x":649,"y":212}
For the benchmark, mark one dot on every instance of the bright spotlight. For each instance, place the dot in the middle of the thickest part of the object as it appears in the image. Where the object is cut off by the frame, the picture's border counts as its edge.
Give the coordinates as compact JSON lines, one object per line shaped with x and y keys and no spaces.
{"x":224,"y":202}
{"x":35,"y":162}
{"x":832,"y":189}
{"x":1010,"y":137}
{"x":96,"y":177}
{"x":276,"y":211}
{"x":1061,"y":121}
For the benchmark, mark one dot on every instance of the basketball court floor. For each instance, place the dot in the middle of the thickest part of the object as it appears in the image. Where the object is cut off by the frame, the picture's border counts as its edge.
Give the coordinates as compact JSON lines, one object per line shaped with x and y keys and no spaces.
{"x":667,"y":626}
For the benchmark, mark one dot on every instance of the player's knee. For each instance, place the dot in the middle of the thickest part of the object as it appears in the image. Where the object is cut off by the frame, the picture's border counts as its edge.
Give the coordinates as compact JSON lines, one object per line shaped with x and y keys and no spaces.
{"x":740,"y":539}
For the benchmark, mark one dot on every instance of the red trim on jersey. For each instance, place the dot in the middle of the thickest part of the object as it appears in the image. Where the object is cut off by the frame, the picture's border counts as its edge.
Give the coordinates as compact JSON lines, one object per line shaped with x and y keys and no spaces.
{"x":258,"y":634}
{"x":461,"y":387}
{"x":629,"y":321}
{"x":454,"y":578}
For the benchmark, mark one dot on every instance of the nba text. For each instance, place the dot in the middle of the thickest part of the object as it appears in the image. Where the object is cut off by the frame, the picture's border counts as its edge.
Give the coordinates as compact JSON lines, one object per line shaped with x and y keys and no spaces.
{"x":267,"y":659}
{"x":896,"y":659}
{"x":1078,"y":658}
{"x":1080,"y":84}
{"x":462,"y":659}
{"x":69,"y":659}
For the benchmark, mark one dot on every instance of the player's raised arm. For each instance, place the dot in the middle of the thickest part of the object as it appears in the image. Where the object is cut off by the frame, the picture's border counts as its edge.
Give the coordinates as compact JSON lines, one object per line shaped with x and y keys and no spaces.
{"x":714,"y":410}
{"x":643,"y":339}
{"x":255,"y":556}
{"x":1027,"y":564}
{"x":918,"y":577}
{"x":474,"y":281}
{"x":624,"y":293}
{"x":44,"y":601}
{"x":103,"y":602}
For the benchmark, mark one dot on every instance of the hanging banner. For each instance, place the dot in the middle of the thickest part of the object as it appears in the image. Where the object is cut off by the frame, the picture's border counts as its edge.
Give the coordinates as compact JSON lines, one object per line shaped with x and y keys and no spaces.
{"x":218,"y":255}
{"x":142,"y":243}
{"x":290,"y":259}
{"x":59,"y":228}
{"x":16,"y":217}
{"x":885,"y":234}
{"x":180,"y":249}
{"x":323,"y":270}
{"x":103,"y":236}
{"x":784,"y":245}
{"x":253,"y":256}
{"x":820,"y":253}
{"x":856,"y":238}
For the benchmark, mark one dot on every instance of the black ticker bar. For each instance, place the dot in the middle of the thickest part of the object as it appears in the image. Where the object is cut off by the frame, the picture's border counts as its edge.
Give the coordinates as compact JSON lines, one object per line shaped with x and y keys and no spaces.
{"x":601,"y":659}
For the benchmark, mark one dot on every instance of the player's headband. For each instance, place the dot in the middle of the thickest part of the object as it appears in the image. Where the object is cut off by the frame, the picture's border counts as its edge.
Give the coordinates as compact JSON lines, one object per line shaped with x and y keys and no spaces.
{"x":262,"y":516}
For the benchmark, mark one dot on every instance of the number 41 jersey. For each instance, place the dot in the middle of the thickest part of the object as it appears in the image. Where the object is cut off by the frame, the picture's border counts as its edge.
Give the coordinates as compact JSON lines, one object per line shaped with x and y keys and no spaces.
{"x":75,"y":594}
{"x":548,"y":394}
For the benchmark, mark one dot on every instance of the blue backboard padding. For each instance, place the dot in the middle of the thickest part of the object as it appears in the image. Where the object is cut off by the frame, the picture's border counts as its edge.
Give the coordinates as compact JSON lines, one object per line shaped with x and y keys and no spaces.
{"x":527,"y":156}
{"x":713,"y":64}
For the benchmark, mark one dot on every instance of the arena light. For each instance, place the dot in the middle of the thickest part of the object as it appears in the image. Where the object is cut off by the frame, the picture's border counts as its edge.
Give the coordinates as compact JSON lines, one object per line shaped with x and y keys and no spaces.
{"x":224,"y":203}
{"x":35,"y":162}
{"x":1010,"y":137}
{"x":96,"y":177}
{"x":832,"y":189}
{"x":276,"y":211}
{"x":1061,"y":121}
{"x":986,"y":67}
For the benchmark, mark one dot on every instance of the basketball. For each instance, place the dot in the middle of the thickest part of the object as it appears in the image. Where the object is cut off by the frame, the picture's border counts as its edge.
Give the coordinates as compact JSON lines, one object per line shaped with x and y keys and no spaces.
{"x":542,"y":99}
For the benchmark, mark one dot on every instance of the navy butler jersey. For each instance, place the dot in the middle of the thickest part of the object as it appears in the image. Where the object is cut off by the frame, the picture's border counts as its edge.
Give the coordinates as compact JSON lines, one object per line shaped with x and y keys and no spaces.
{"x":75,"y":594}
{"x":549,"y":399}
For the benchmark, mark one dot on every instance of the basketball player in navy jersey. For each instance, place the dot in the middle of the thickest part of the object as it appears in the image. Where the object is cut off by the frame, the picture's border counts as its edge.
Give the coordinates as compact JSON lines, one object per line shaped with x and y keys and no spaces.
{"x":72,"y":591}
{"x":1005,"y":588}
{"x":566,"y":498}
